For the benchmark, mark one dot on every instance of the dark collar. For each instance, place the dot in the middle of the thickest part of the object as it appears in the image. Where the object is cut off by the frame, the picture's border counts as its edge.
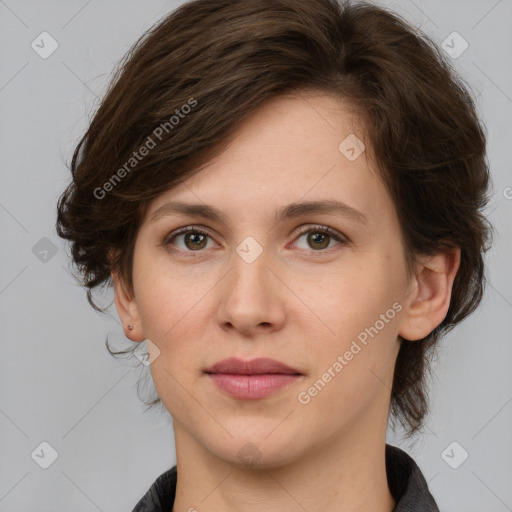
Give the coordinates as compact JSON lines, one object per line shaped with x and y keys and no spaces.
{"x":407,"y":483}
{"x":405,"y":480}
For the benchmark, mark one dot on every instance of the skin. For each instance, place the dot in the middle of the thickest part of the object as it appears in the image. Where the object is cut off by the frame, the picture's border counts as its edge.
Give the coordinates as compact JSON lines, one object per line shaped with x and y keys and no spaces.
{"x":300,"y":302}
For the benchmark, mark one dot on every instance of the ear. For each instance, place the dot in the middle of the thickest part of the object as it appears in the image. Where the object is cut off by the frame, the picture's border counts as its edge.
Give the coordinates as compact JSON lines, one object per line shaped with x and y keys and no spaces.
{"x":127,"y":309}
{"x":430,"y":293}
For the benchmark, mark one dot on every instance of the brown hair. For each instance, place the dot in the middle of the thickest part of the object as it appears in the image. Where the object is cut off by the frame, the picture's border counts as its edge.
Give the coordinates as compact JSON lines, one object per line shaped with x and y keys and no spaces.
{"x":190,"y":81}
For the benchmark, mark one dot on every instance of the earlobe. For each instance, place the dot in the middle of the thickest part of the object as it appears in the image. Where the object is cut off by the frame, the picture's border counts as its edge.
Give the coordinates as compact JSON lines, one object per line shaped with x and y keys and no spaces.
{"x":429,"y":299}
{"x":127,"y":309}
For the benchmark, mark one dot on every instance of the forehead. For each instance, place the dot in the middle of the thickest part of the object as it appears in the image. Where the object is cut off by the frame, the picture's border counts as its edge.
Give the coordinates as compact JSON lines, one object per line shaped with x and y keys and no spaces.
{"x":294,"y":148}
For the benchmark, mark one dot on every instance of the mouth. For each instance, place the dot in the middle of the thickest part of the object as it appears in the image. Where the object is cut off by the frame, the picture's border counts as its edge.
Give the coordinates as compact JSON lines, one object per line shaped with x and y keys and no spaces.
{"x":259,"y":366}
{"x":254,"y":379}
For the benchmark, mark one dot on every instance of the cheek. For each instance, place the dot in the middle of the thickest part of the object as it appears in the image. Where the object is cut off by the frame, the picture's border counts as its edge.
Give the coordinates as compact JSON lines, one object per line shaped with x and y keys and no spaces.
{"x":343,"y":400}
{"x":172,"y":313}
{"x":344,"y":303}
{"x":167,"y":297}
{"x":172,"y":386}
{"x":352,"y":371}
{"x":176,"y":370}
{"x":359,"y":324}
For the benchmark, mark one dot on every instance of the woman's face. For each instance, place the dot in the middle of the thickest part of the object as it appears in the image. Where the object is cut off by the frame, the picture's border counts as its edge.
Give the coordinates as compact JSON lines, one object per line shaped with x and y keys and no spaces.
{"x":256,"y":284}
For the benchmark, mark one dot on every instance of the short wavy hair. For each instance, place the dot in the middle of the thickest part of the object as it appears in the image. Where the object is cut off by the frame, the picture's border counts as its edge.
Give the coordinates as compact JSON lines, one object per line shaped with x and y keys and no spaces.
{"x":196,"y":75}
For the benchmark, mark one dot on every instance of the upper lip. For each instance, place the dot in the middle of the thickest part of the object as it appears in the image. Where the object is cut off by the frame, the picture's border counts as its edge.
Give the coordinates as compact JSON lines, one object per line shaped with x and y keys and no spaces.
{"x":256,"y":366}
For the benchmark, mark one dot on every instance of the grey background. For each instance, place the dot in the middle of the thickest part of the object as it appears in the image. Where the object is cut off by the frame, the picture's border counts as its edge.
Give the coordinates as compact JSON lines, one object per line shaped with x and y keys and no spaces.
{"x":57,"y":381}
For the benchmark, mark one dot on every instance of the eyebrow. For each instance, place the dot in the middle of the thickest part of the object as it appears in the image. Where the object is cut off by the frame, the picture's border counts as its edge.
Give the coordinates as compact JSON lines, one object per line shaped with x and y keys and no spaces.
{"x":290,"y":211}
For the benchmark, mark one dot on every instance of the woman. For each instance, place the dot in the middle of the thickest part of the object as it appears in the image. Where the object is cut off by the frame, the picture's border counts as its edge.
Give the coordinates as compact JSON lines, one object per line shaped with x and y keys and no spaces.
{"x":286,"y":197}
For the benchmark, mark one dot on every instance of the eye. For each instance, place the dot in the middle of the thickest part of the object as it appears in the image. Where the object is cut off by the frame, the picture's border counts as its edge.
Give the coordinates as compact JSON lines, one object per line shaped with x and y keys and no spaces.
{"x":319,"y":237}
{"x":195,"y":239}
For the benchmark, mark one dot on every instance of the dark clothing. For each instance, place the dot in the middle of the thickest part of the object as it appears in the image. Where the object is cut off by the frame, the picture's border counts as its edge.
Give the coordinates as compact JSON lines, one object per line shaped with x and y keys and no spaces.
{"x":405,"y":480}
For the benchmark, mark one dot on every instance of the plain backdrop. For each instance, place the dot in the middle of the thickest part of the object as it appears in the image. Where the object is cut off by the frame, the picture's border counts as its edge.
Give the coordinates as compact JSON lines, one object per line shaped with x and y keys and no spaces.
{"x":58,"y":384}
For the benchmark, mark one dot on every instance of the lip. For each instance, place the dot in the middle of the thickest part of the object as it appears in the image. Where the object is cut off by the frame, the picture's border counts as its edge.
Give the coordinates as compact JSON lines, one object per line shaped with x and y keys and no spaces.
{"x":258,"y":366}
{"x":254,"y":379}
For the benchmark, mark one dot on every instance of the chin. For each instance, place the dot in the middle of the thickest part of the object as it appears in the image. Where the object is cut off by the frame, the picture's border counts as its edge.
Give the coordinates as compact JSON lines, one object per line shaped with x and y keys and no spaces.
{"x":258,"y":449}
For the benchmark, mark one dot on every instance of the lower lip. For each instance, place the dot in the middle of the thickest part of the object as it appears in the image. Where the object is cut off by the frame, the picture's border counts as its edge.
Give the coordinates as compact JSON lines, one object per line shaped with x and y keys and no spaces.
{"x":251,"y":387}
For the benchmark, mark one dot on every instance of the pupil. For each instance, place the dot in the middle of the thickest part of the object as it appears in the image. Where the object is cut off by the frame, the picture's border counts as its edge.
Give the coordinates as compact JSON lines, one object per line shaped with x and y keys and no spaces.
{"x":194,"y":239}
{"x":314,"y":236}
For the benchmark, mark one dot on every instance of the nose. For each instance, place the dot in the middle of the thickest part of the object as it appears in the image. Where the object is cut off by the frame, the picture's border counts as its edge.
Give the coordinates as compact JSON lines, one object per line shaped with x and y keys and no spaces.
{"x":252,"y":297}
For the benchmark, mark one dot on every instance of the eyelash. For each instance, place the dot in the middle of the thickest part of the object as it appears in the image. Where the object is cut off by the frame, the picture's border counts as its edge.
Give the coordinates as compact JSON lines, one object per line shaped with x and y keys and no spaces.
{"x":301,"y":231}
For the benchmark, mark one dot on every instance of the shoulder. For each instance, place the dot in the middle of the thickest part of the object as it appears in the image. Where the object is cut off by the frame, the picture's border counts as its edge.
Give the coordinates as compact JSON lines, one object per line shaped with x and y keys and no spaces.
{"x":407,"y":483}
{"x":160,"y":496}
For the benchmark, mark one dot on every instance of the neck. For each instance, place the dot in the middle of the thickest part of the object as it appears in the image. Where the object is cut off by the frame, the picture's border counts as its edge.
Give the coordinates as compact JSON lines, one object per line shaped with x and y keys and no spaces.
{"x":347,"y":472}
